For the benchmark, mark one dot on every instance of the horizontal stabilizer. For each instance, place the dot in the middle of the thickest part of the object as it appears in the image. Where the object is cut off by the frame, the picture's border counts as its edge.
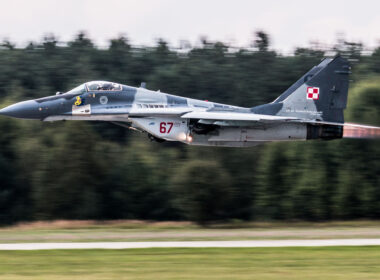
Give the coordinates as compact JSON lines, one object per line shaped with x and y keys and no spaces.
{"x":351,"y":130}
{"x":361,"y":131}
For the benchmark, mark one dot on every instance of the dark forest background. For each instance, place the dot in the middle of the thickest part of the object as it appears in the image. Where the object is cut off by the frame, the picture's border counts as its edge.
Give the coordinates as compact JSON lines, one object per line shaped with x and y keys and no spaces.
{"x":95,"y":170}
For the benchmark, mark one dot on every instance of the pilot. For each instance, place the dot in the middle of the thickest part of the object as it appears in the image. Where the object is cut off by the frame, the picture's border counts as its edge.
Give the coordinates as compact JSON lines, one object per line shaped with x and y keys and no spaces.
{"x":107,"y":86}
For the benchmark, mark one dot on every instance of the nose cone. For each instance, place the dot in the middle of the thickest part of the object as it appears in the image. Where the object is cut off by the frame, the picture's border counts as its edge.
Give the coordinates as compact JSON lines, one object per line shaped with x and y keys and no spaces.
{"x":23,"y":110}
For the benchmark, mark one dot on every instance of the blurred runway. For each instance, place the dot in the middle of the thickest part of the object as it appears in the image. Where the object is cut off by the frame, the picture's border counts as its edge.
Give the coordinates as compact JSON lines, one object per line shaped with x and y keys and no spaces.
{"x":193,"y":244}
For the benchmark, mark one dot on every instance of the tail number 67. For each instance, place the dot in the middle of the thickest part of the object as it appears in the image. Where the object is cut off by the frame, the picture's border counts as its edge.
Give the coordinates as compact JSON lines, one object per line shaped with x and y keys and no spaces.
{"x":166,"y":127}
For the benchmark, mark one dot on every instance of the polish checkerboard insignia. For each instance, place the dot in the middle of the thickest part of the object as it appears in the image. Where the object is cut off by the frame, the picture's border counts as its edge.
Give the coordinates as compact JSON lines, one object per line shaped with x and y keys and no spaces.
{"x":312,"y":93}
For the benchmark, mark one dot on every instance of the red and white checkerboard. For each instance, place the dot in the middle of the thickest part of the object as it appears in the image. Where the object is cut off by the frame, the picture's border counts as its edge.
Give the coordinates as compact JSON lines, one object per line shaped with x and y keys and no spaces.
{"x":312,"y":93}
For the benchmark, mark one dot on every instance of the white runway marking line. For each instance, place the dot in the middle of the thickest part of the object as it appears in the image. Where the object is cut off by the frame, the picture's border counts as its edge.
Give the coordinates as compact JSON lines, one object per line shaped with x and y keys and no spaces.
{"x":193,"y":244}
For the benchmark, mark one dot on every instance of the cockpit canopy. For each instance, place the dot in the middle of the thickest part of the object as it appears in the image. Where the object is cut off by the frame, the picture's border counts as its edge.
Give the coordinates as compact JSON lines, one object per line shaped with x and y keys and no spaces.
{"x":95,"y":86}
{"x":102,"y":85}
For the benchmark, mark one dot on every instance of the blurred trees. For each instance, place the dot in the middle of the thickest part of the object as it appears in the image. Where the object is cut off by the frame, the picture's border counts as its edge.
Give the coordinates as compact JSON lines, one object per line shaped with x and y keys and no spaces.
{"x":202,"y":191}
{"x":83,"y":170}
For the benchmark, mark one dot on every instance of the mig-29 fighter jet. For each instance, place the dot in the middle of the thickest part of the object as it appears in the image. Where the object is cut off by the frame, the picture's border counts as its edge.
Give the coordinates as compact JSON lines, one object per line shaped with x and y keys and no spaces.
{"x":312,"y":108}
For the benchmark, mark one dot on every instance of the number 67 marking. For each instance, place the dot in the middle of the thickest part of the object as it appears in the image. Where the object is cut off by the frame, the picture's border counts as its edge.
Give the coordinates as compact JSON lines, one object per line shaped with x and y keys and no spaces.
{"x":166,"y":127}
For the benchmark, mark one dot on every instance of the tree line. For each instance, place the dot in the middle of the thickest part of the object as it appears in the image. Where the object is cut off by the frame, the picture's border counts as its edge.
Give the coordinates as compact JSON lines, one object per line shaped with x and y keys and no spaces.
{"x":95,"y":170}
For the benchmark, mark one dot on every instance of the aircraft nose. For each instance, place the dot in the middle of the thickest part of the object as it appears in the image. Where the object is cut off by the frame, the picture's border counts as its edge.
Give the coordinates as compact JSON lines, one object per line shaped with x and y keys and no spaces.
{"x":23,"y":110}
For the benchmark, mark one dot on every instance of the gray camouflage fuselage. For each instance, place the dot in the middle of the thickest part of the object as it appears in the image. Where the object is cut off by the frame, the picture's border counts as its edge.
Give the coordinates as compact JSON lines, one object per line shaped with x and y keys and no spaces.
{"x":312,"y":108}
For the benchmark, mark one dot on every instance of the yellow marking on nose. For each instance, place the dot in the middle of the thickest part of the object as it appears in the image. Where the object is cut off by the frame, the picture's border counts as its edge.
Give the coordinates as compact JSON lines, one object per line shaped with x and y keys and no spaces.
{"x":78,"y":101}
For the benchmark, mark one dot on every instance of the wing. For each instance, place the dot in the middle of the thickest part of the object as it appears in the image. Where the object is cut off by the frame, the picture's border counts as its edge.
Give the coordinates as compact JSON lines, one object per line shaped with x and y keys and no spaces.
{"x":234,"y":118}
{"x":158,"y":112}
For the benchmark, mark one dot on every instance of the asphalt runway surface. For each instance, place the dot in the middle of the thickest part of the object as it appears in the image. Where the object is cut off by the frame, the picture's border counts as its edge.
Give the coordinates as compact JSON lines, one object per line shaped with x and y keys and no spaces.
{"x":192,"y":244}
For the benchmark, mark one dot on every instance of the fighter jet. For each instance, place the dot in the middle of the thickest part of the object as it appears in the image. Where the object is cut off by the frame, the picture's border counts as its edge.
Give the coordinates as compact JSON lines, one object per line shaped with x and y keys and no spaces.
{"x":312,"y":108}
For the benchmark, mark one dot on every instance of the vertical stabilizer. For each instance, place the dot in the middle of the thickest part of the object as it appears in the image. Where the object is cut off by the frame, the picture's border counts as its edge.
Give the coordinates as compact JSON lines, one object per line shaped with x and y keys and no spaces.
{"x":321,"y":94}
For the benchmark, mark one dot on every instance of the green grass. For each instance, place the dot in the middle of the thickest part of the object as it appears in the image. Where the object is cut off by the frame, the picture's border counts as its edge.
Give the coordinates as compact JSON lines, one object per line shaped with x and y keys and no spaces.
{"x":206,"y":263}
